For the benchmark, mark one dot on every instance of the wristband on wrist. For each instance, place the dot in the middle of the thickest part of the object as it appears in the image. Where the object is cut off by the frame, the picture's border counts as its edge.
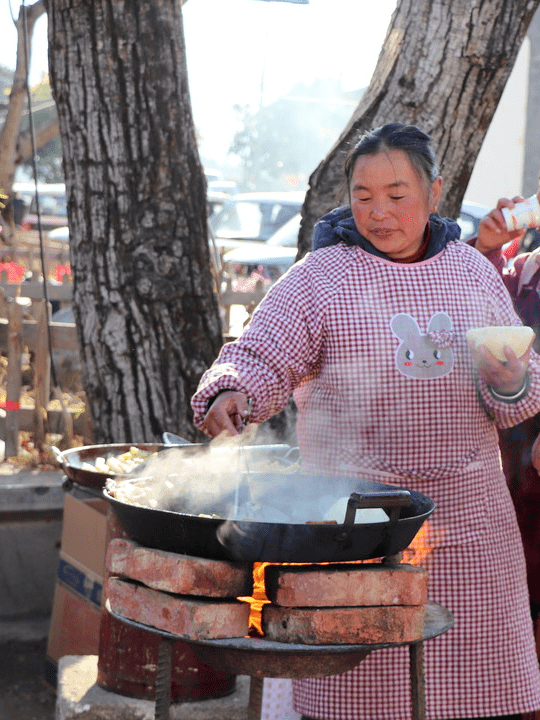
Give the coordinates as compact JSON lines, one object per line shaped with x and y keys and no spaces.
{"x":515,"y":397}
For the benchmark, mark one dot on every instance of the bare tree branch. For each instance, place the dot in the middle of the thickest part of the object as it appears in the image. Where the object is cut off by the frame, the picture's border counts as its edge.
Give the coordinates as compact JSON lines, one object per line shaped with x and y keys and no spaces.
{"x":44,"y":133}
{"x":17,"y":99}
{"x":28,"y":15}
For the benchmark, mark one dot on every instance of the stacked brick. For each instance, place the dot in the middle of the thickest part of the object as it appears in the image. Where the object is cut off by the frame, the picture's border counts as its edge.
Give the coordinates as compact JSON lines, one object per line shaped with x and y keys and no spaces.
{"x":197,"y":598}
{"x":345,"y":603}
{"x":194,"y":598}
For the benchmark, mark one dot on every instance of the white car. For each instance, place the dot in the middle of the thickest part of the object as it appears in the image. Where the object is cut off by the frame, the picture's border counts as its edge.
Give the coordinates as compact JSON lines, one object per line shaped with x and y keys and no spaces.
{"x":275,"y":256}
{"x":59,"y":234}
{"x":215,"y":200}
{"x":254,"y":217}
{"x":52,"y":204}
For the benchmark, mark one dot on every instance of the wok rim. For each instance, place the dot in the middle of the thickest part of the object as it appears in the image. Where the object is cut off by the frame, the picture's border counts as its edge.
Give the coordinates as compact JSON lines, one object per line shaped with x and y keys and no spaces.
{"x":175,"y":513}
{"x":254,"y":541}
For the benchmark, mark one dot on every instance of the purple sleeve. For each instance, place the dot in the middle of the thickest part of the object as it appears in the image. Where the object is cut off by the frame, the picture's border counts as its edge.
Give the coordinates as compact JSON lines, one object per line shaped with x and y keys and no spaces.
{"x":510,"y":275}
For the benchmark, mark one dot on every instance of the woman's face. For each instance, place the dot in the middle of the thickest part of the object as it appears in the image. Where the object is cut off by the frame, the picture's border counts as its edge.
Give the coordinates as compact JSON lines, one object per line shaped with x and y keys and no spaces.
{"x":391,"y":202}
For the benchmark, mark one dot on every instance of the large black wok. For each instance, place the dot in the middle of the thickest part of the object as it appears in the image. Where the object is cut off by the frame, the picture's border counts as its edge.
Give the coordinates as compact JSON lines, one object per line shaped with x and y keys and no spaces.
{"x":179,"y":528}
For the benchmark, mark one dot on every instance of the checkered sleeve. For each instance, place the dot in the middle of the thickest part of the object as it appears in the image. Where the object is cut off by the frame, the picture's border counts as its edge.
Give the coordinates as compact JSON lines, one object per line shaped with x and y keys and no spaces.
{"x":507,"y":414}
{"x":280,"y":346}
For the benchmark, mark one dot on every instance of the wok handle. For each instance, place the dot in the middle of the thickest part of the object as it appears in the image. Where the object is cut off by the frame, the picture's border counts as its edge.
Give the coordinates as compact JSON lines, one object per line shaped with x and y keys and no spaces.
{"x":394,"y":500}
{"x":58,"y":456}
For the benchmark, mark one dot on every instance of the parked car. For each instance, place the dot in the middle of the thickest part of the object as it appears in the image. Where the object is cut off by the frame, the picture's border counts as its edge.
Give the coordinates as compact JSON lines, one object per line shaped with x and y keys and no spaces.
{"x":59,"y":234}
{"x":530,"y":241}
{"x":52,"y":205}
{"x":275,"y":256}
{"x":254,"y":217}
{"x":227,"y":186}
{"x":469,"y":218}
{"x":216,"y":201}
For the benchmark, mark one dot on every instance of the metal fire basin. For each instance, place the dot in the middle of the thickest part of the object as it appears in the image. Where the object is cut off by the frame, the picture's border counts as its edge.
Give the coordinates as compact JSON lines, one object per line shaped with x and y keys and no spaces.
{"x":261,"y":658}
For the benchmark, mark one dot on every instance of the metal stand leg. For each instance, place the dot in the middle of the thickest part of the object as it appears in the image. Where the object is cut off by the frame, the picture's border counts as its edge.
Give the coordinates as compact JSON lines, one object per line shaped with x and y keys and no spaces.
{"x":418,"y":681}
{"x":163,"y":680}
{"x":255,"y":698}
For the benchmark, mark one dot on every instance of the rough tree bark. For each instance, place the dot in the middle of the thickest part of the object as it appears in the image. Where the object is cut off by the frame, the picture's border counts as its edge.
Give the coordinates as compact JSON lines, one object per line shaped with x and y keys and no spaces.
{"x":147,"y":316}
{"x":443,"y":67}
{"x":531,"y":164}
{"x":9,"y":137}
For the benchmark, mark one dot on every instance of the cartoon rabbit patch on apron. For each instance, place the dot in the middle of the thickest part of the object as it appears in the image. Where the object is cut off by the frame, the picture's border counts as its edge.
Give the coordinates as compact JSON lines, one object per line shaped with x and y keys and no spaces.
{"x":423,"y":356}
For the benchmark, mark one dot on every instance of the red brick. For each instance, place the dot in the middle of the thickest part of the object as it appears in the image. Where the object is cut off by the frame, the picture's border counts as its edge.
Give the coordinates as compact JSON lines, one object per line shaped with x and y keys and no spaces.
{"x":185,"y":616}
{"x":362,"y":625}
{"x":346,"y":585}
{"x":181,"y":574}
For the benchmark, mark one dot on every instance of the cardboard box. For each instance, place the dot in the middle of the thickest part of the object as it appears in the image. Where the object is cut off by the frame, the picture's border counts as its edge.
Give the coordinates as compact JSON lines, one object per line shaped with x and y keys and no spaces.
{"x":76,"y":613}
{"x":84,"y":532}
{"x":74,"y":631}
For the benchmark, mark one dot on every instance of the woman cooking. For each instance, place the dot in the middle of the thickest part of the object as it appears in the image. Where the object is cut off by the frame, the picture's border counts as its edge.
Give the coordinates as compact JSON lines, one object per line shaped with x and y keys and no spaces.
{"x":368,"y":331}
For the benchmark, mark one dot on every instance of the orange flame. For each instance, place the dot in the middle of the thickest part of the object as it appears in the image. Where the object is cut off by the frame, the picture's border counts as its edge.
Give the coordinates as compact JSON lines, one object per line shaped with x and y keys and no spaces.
{"x":257,"y":599}
{"x":415,"y":554}
{"x":420,"y":546}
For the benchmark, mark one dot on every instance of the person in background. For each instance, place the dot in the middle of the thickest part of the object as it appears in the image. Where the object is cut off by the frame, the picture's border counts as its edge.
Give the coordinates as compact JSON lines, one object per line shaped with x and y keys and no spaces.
{"x":368,"y":332}
{"x":520,"y":445}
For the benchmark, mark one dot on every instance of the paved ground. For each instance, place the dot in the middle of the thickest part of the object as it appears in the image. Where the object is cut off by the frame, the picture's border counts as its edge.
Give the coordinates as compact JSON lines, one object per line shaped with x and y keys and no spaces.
{"x":23,"y":694}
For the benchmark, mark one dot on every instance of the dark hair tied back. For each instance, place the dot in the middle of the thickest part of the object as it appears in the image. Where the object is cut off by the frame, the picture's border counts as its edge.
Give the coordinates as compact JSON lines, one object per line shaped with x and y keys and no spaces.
{"x":396,"y":136}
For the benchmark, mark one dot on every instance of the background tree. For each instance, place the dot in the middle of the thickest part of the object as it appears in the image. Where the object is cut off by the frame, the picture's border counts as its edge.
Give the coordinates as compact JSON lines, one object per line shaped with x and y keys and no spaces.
{"x":443,"y":66}
{"x":282,"y":142}
{"x":48,"y":155}
{"x":46,"y":131}
{"x":143,"y":302}
{"x":531,"y":162}
{"x":9,"y":137}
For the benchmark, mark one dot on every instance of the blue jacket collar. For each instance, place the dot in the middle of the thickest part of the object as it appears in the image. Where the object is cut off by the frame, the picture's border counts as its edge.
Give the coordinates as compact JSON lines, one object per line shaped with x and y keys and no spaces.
{"x":338,"y":226}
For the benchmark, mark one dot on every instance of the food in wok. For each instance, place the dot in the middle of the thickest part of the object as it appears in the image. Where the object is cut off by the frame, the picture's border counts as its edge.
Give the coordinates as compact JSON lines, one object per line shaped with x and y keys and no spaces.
{"x":242,"y":497}
{"x":92,"y":464}
{"x":87,"y":465}
{"x":119,"y":464}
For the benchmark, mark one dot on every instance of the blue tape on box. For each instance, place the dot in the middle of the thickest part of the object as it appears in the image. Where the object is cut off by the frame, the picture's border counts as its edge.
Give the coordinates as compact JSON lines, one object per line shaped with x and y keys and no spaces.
{"x":79,"y":582}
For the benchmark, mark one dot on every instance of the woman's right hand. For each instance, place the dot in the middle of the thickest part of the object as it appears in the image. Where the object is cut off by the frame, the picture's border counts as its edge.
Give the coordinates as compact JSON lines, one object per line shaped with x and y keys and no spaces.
{"x":227,"y":413}
{"x":492,"y":230}
{"x":505,"y":378}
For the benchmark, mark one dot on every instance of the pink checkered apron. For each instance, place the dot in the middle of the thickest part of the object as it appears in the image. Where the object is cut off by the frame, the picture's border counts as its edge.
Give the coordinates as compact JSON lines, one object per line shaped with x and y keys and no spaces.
{"x":376,"y":353}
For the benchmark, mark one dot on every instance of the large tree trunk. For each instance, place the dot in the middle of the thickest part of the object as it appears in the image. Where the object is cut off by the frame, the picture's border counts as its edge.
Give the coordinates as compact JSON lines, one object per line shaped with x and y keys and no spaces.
{"x":144,"y":304}
{"x":443,"y":67}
